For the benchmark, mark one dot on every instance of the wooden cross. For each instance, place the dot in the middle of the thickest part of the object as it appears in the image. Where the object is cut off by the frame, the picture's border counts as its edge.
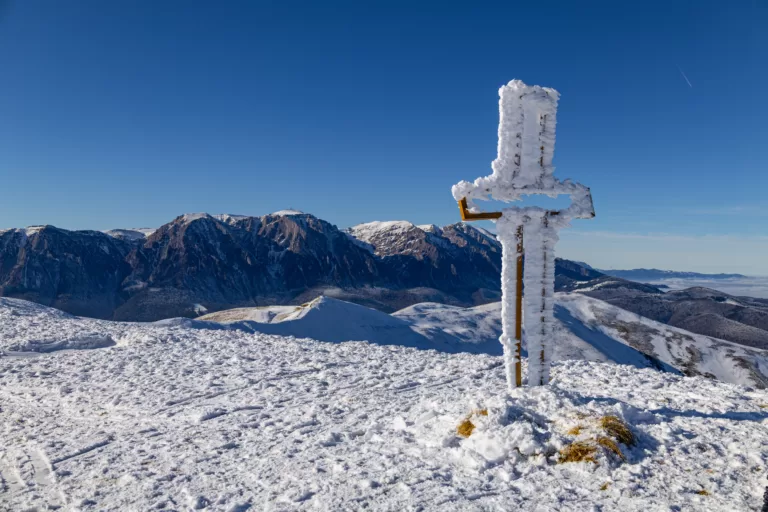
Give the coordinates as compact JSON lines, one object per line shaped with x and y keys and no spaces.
{"x":524,"y":167}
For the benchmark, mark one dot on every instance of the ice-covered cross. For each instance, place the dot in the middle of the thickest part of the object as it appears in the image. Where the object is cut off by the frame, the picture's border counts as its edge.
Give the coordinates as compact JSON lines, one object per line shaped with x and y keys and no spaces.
{"x":524,"y":167}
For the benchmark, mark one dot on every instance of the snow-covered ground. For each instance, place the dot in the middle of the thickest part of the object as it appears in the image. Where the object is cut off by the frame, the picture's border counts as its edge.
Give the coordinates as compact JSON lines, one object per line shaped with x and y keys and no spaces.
{"x":177,"y":416}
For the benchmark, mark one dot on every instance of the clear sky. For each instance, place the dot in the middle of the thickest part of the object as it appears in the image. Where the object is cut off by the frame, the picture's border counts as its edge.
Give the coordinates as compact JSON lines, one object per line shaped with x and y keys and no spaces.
{"x":128,"y":113}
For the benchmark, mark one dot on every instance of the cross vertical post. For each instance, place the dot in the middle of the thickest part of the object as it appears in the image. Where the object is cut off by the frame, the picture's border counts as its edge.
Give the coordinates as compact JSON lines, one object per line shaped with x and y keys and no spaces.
{"x":511,"y":270}
{"x":511,"y":297}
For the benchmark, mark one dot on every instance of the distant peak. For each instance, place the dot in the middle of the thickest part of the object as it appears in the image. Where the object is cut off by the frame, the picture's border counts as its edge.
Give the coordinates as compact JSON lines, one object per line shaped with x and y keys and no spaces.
{"x":429,"y":228}
{"x":131,"y":234}
{"x":31,"y":230}
{"x":228,"y":217}
{"x":378,"y":225}
{"x":287,"y":212}
{"x":189,"y":217}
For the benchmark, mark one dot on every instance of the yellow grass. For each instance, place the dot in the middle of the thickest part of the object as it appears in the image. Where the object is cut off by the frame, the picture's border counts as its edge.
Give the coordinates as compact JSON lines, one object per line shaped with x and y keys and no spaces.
{"x":617,"y":429}
{"x":578,"y":451}
{"x":465,"y":428}
{"x":610,"y":445}
{"x":575,"y":431}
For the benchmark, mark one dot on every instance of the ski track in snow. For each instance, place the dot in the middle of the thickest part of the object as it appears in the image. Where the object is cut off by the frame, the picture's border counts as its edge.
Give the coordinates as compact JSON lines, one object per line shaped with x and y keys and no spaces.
{"x":172,"y":418}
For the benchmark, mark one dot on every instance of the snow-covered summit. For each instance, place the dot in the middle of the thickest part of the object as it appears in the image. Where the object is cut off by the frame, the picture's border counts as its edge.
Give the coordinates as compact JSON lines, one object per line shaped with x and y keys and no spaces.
{"x":131,"y":234}
{"x":287,"y":212}
{"x":368,"y":230}
{"x":390,"y":237}
{"x":189,"y":217}
{"x":230,"y":218}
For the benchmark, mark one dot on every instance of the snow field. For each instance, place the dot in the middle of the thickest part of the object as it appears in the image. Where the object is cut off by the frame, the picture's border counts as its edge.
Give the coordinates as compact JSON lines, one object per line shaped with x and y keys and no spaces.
{"x":178,"y":418}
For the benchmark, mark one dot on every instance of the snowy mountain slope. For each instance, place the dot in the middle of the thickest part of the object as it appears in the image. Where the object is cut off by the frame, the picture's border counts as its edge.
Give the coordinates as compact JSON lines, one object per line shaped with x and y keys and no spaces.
{"x":693,"y":354}
{"x":742,"y":320}
{"x":593,"y":330}
{"x":481,"y":326}
{"x":222,"y":420}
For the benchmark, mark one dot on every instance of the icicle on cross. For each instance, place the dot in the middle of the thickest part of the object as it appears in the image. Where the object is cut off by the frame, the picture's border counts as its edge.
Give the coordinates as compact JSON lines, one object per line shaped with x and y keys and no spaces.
{"x":528,"y":116}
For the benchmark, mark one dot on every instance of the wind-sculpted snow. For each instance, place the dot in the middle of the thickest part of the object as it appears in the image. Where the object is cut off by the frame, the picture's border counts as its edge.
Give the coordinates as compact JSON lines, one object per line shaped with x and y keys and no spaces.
{"x":178,"y":418}
{"x":584,"y":328}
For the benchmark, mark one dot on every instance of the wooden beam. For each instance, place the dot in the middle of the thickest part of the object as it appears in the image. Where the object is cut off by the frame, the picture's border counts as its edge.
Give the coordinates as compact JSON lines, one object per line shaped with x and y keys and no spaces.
{"x":469,"y":216}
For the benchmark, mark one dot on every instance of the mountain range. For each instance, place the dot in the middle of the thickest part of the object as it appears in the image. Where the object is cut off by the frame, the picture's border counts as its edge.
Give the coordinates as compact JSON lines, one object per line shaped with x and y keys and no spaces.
{"x":201,"y":263}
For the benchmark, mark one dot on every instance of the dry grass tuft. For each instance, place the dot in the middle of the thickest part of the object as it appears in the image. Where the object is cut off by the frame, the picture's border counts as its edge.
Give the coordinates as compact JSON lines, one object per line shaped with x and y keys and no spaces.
{"x":575,"y":431}
{"x":703,"y":492}
{"x":617,"y":429}
{"x":610,"y":445}
{"x":586,"y":449}
{"x":604,"y":487}
{"x":465,"y":428}
{"x":578,"y":451}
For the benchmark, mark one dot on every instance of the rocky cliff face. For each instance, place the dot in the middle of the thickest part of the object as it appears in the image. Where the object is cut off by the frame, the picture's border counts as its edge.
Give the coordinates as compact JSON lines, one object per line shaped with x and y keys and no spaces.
{"x":202,"y":262}
{"x":79,"y":272}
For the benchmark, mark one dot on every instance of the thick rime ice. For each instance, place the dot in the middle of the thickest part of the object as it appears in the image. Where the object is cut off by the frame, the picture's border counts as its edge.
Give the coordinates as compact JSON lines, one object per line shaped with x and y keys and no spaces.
{"x":539,"y":279}
{"x":527,"y":120}
{"x":510,"y":251}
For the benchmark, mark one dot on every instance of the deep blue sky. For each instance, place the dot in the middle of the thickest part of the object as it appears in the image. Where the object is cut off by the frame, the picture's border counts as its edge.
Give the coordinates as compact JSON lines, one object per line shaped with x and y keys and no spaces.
{"x":128,"y":113}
